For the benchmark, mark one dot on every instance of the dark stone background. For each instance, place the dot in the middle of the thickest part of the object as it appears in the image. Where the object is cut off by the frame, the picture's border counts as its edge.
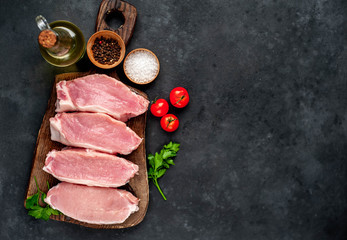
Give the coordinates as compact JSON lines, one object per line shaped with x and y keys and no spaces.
{"x":263,"y":139}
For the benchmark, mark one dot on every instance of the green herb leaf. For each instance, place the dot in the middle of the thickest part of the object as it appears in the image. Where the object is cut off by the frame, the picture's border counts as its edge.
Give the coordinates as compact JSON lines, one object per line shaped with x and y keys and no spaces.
{"x":168,"y":145}
{"x":173,"y":146}
{"x":32,"y":201}
{"x":34,"y":207}
{"x":151,"y":160}
{"x":170,"y":161}
{"x":45,"y":214}
{"x":160,"y":162}
{"x":52,"y":211}
{"x":168,"y":154}
{"x":36,"y":212}
{"x":165,"y":165}
{"x":150,"y":172}
{"x":161,"y":173}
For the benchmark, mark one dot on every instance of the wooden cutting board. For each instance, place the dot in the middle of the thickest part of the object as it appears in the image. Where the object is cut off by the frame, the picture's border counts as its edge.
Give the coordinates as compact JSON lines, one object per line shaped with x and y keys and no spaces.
{"x":137,"y":185}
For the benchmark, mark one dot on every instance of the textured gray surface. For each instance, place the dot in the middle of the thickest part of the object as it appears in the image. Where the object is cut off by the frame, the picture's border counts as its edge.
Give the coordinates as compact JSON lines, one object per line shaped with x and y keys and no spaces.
{"x":264,"y":150}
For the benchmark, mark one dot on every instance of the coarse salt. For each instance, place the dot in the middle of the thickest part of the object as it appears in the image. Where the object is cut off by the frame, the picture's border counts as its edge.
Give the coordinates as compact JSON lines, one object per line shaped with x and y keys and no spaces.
{"x":141,"y":66}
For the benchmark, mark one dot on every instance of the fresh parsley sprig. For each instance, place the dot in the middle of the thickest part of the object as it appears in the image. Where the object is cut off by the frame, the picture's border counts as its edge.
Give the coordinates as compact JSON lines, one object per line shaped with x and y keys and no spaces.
{"x":34,"y":207}
{"x":160,"y":162}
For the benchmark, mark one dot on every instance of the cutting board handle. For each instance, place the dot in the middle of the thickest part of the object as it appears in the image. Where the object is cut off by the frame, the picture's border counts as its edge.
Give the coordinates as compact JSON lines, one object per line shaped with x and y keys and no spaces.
{"x":128,"y":11}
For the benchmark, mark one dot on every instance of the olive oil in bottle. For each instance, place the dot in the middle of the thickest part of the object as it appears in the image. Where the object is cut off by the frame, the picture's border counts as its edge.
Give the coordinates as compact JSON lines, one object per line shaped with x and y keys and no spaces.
{"x":61,"y":42}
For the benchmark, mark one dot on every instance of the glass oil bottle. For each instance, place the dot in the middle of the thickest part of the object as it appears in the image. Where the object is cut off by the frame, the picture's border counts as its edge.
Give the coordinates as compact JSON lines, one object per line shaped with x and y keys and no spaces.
{"x":61,"y":42}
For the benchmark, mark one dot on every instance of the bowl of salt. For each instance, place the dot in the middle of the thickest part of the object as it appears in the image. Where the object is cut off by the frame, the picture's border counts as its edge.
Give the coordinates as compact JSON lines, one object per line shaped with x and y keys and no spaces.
{"x":141,"y":66}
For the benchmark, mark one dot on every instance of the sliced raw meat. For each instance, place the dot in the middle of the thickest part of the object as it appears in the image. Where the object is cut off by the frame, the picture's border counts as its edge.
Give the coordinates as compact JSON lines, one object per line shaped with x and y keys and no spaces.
{"x":96,"y":131}
{"x":88,"y":167}
{"x":100,"y":93}
{"x":92,"y":204}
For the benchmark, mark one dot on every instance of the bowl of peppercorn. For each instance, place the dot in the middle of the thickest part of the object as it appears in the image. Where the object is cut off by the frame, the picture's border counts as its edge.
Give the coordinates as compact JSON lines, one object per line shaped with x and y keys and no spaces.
{"x":106,"y":49}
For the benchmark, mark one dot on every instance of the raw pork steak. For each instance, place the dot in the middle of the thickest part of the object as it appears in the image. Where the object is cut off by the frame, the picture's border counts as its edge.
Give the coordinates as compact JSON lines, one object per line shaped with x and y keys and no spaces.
{"x":100,"y":93}
{"x":96,"y":131}
{"x":88,"y":167}
{"x":92,"y":204}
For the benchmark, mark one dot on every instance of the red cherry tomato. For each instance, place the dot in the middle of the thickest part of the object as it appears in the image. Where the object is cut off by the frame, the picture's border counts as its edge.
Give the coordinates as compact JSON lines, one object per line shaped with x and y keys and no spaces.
{"x":169,"y":122}
{"x":179,"y":97}
{"x":159,"y":107}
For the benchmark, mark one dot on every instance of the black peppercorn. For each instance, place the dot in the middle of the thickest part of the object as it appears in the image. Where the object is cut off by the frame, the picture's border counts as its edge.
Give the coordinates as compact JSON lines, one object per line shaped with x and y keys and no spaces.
{"x":106,"y":50}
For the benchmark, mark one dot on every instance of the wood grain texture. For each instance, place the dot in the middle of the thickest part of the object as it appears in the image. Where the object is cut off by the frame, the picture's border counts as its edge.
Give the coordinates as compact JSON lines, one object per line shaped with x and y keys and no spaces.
{"x":137,"y":185}
{"x":126,"y":9}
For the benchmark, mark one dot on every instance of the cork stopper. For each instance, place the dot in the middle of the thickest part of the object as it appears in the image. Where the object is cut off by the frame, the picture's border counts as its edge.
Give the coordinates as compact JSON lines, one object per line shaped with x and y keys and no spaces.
{"x":47,"y":38}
